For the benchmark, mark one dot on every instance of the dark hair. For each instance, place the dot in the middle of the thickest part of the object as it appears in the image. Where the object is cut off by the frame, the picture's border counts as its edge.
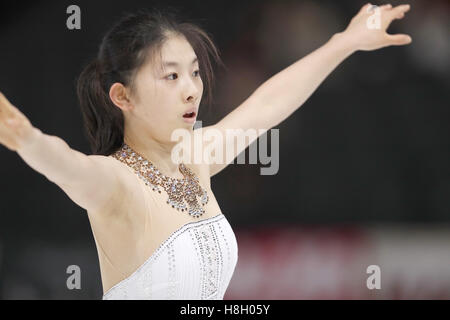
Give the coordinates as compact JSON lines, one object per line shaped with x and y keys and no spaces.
{"x":123,"y":50}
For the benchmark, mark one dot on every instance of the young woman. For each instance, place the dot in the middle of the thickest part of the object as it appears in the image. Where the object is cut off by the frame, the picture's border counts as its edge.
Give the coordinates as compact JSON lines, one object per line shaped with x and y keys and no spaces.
{"x":159,"y":231}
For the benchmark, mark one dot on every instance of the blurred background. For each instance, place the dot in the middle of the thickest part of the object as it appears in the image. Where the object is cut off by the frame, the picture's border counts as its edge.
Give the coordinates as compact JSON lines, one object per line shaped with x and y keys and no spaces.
{"x":364,"y":174}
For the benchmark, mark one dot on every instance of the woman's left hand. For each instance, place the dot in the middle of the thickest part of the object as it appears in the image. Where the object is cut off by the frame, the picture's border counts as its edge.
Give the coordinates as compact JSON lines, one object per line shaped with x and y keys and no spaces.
{"x":367,"y":30}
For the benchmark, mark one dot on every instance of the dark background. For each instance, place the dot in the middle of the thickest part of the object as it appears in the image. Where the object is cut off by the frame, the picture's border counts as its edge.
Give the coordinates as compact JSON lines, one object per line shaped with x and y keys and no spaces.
{"x":370,"y":146}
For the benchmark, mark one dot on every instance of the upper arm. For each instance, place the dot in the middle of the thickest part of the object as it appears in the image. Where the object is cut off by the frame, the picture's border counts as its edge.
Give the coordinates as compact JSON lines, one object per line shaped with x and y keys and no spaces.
{"x":97,"y":187}
{"x":235,"y":132}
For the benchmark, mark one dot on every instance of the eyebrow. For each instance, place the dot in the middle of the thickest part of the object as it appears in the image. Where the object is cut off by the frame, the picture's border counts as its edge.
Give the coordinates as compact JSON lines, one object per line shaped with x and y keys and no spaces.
{"x":174,"y":64}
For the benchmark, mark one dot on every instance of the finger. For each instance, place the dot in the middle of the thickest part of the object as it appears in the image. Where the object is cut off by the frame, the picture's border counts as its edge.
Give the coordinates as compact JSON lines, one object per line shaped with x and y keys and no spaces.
{"x":403,"y":7}
{"x":386,"y":6}
{"x":399,"y":11}
{"x":399,"y":39}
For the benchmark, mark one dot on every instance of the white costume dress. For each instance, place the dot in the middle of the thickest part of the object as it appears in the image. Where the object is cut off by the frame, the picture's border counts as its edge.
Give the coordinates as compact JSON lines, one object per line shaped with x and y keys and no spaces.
{"x":196,"y":262}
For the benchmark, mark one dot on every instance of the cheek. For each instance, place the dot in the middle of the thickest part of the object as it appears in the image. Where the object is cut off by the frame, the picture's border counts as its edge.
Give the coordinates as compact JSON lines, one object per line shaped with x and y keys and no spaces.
{"x":157,"y":111}
{"x":149,"y":102}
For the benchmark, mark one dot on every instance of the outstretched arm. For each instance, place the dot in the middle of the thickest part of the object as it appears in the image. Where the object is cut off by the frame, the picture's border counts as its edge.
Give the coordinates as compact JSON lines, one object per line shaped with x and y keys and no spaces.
{"x":87,"y":180}
{"x":285,"y":92}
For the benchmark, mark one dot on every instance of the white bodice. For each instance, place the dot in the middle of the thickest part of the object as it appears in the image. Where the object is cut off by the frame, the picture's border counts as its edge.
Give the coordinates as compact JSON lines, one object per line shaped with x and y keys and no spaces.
{"x":196,"y":262}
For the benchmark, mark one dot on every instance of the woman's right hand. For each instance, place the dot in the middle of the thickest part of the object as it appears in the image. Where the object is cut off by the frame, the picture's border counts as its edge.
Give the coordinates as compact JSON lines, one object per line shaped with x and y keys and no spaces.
{"x":15,"y":128}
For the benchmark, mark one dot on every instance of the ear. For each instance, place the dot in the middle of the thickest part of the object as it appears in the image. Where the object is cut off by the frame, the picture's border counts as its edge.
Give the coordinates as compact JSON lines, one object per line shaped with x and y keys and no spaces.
{"x":120,"y":97}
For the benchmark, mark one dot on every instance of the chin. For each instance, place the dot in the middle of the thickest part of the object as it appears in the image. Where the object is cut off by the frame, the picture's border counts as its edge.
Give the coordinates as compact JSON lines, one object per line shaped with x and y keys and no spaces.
{"x":188,"y":125}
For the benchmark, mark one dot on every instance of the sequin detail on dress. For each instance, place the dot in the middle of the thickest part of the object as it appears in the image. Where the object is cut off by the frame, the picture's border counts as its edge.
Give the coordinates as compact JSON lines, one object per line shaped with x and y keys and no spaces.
{"x":207,"y":241}
{"x":196,"y":262}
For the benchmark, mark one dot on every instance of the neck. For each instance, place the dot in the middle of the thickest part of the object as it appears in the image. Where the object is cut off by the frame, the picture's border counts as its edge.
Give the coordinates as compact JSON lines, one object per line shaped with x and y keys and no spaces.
{"x":155,"y":151}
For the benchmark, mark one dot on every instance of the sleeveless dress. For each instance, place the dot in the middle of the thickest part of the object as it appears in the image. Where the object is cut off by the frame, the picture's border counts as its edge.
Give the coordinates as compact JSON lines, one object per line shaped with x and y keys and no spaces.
{"x":196,"y":262}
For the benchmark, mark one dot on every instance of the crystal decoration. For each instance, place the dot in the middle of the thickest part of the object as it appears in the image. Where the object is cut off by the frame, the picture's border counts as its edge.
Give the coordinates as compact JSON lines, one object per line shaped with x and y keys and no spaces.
{"x":182,"y":193}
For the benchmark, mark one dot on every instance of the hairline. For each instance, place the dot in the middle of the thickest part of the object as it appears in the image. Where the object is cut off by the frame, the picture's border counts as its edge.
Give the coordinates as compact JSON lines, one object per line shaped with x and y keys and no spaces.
{"x":154,"y":54}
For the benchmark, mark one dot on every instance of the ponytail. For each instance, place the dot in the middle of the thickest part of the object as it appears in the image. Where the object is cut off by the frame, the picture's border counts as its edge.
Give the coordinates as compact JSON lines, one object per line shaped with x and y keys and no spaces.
{"x":124,"y":49}
{"x":103,"y":121}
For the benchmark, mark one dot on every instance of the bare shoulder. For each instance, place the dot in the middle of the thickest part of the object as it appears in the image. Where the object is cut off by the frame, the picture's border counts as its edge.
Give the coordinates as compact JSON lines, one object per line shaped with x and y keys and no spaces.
{"x":110,"y":164}
{"x":111,"y":168}
{"x":116,"y":183}
{"x":106,"y":160}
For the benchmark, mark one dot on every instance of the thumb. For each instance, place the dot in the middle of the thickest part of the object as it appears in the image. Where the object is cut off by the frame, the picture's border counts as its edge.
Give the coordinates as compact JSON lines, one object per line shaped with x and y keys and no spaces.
{"x":399,"y":39}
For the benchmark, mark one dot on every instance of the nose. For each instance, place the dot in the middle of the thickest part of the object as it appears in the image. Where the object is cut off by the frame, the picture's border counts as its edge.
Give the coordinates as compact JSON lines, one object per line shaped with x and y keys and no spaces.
{"x":192,"y":92}
{"x":191,"y":99}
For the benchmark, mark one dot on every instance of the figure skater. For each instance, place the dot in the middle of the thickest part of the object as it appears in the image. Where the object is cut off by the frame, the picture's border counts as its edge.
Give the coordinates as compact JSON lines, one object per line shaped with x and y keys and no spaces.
{"x":159,"y":231}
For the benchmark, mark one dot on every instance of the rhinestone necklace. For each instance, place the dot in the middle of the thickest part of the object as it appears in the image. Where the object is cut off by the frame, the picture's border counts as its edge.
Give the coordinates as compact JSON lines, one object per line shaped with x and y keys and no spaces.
{"x":182,"y":193}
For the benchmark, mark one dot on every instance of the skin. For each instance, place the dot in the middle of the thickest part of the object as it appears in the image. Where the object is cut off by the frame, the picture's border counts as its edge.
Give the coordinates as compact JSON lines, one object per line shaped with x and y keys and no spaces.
{"x":155,"y":108}
{"x":154,"y":111}
{"x":161,"y":97}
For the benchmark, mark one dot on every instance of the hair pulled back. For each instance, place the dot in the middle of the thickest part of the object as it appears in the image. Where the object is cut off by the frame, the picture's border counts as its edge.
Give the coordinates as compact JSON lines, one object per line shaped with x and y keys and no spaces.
{"x":136,"y":37}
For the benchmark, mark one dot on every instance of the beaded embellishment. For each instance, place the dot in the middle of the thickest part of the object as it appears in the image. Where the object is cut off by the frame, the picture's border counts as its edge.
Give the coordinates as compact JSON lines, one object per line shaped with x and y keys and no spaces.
{"x":182,"y":193}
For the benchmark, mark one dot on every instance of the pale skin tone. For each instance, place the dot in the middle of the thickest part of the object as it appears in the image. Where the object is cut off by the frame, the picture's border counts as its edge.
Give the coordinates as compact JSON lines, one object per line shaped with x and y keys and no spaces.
{"x":155,"y":109}
{"x":159,"y":102}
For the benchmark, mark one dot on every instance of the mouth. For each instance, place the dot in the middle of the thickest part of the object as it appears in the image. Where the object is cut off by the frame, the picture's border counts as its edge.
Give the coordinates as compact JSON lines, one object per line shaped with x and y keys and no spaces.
{"x":189,"y":115}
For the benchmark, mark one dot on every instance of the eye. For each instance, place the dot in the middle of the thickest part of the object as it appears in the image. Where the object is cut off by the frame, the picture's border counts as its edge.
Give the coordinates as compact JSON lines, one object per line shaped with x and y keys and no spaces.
{"x":198,"y":72}
{"x":171,"y":75}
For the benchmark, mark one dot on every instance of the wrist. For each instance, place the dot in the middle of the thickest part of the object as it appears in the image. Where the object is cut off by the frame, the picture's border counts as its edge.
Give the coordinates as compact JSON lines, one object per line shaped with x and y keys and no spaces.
{"x":344,"y":43}
{"x":29,"y":139}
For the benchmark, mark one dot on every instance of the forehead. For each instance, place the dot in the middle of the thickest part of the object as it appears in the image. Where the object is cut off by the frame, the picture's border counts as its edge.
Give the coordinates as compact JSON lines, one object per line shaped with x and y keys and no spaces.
{"x":176,"y":51}
{"x":176,"y":47}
